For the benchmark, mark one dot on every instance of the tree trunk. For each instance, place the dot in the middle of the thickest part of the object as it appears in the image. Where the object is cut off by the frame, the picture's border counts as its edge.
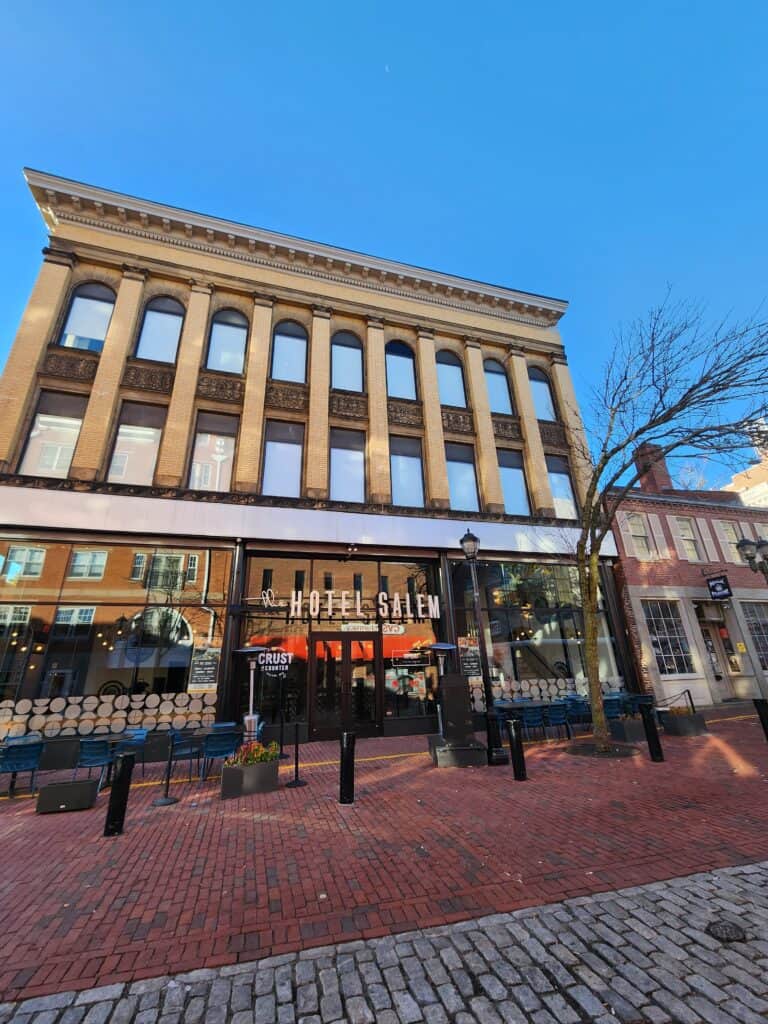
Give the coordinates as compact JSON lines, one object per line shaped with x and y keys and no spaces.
{"x":588,"y":565}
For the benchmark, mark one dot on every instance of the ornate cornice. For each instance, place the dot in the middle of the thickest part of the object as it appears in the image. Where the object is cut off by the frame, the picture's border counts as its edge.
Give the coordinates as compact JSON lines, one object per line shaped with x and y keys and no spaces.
{"x":284,"y":395}
{"x":402,"y":412}
{"x":348,"y":406}
{"x":70,"y":364}
{"x":458,"y":421}
{"x":220,"y":388}
{"x":148,"y":378}
{"x":64,"y":201}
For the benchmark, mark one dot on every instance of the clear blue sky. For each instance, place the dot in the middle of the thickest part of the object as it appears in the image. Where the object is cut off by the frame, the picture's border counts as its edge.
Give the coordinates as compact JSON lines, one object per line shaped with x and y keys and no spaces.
{"x":594,"y":152}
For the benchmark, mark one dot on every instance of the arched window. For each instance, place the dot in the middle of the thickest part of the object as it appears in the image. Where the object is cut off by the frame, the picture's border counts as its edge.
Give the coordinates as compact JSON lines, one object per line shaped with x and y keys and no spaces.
{"x":346,"y":362}
{"x":88,"y":318}
{"x":289,"y":352}
{"x":498,"y":387}
{"x":450,"y":379}
{"x":401,"y":370}
{"x":161,"y":330}
{"x":226,"y":345}
{"x":543,"y":403}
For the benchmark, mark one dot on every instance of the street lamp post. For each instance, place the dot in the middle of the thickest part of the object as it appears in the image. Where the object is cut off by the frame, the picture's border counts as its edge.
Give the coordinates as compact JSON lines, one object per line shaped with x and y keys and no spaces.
{"x":756,"y":554}
{"x":496,"y":752}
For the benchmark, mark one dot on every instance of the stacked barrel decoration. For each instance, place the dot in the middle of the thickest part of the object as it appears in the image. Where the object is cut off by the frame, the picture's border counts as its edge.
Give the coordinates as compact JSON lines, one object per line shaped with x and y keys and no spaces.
{"x":538,"y":689}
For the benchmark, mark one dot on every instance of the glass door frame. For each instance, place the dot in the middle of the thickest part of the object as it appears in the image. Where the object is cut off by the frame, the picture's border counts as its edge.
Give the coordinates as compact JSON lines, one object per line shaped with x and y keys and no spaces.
{"x":347,"y":638}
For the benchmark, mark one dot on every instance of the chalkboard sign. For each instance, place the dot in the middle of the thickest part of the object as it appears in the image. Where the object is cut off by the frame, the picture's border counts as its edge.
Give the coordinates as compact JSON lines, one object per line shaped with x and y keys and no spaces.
{"x":470,"y":662}
{"x":203,"y":671}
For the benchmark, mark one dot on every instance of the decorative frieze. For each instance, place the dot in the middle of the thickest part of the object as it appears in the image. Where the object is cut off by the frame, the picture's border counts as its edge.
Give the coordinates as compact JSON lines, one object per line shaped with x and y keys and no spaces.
{"x":348,"y":406}
{"x":220,"y":389}
{"x":404,"y":413}
{"x":72,"y":364}
{"x":458,"y":421}
{"x":148,"y":378}
{"x":506,"y":428}
{"x":283,"y":395}
{"x":553,"y":435}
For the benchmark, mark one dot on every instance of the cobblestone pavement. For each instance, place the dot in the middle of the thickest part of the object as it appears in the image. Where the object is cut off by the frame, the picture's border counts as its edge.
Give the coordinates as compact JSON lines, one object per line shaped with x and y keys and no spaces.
{"x":634,"y":955}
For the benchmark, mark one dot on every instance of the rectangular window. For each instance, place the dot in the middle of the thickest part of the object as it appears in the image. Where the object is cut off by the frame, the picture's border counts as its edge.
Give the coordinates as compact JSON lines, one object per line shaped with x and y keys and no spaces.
{"x":328,"y":581}
{"x":213,"y":453}
{"x":298,"y":580}
{"x":53,"y":435}
{"x":69,"y":620}
{"x":689,"y":539}
{"x":266,"y":579}
{"x":513,"y":482}
{"x":730,"y":535}
{"x":166,"y":573}
{"x":13,"y":617}
{"x":385,"y":584}
{"x":562,"y":489}
{"x":87,"y":565}
{"x":192,"y":563}
{"x":668,"y":638}
{"x":24,"y":562}
{"x":357,"y":584}
{"x":139,"y":565}
{"x":283,"y":454}
{"x":137,"y":443}
{"x":406,"y":470}
{"x":756,"y":615}
{"x":347,"y":465}
{"x":641,"y":539}
{"x":462,"y":482}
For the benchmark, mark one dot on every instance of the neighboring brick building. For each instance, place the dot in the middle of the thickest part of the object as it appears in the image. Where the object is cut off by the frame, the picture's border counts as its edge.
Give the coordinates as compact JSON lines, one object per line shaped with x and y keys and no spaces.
{"x":303,"y":418}
{"x":670,"y":542}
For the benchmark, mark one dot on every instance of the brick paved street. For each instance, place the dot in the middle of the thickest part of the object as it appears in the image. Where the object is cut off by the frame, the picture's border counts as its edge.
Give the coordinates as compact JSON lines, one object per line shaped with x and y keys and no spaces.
{"x":636,"y":955}
{"x":206,"y":884}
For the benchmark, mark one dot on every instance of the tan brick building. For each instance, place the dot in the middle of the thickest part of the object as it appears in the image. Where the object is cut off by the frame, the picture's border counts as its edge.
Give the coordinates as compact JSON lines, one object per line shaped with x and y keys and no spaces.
{"x":184,"y":384}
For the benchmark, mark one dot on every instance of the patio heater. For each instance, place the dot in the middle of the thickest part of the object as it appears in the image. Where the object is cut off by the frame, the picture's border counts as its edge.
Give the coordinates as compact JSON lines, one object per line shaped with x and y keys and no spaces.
{"x":251,"y":720}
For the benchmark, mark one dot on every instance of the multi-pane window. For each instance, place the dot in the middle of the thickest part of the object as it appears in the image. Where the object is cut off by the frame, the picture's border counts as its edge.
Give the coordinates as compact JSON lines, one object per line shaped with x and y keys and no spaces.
{"x":137,"y":443}
{"x":401,"y":370}
{"x":166,"y":572}
{"x":561,"y":487}
{"x":406,"y":471}
{"x":498,"y":387}
{"x":668,"y":638}
{"x":347,"y":465}
{"x":138,"y":566}
{"x":641,"y":538}
{"x":756,"y":616}
{"x":513,"y":483}
{"x":462,"y":482}
{"x":450,"y":379}
{"x":192,"y":564}
{"x":53,"y":435}
{"x":70,"y":619}
{"x":226,"y":346}
{"x":346,"y":362}
{"x":88,"y":318}
{"x":289,"y":352}
{"x":13,"y":618}
{"x":689,"y":538}
{"x":160,"y":330}
{"x":23,"y":561}
{"x":87,"y":565}
{"x":214,"y":452}
{"x":543,"y":403}
{"x":731,"y":534}
{"x":283,"y":452}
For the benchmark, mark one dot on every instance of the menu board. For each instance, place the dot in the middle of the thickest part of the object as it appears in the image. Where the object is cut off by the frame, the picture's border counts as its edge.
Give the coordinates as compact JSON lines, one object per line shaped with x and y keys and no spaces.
{"x":469,"y":658}
{"x":204,"y":670}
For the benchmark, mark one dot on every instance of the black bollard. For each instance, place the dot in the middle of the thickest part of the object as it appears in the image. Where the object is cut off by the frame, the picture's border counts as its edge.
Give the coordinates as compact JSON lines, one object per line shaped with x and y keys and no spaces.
{"x":651,"y":733}
{"x":283,"y":755}
{"x":118,"y":797}
{"x":347,"y":769}
{"x":761,"y":707}
{"x":517,"y":753}
{"x":296,"y":781}
{"x":165,"y":800}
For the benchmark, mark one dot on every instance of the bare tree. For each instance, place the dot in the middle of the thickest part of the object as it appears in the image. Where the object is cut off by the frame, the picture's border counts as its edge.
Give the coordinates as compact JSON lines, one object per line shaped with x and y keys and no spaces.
{"x":682,"y":387}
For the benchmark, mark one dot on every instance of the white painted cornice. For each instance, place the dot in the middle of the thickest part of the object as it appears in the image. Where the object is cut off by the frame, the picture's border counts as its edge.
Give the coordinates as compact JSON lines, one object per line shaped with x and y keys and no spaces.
{"x":62,"y":201}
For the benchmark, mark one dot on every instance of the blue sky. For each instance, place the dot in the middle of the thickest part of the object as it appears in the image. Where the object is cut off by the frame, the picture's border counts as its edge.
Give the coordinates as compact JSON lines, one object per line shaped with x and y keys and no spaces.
{"x":595,"y":152}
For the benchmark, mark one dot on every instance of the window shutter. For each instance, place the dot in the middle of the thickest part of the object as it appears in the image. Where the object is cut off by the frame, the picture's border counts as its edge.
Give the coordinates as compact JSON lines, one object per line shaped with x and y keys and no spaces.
{"x":746,"y":531}
{"x":677,"y":538}
{"x":622,"y":521}
{"x":659,"y":539}
{"x":724,"y":543}
{"x":709,"y":545}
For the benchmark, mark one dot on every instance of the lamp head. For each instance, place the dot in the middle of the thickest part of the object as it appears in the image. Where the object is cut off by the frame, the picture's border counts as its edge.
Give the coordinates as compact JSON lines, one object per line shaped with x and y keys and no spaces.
{"x":470,"y":545}
{"x":762,"y":549}
{"x":748,"y":548}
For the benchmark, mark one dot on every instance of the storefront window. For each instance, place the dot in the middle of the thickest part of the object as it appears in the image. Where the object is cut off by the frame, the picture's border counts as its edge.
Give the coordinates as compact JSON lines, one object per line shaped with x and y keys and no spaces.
{"x":756,"y":614}
{"x":668,"y":637}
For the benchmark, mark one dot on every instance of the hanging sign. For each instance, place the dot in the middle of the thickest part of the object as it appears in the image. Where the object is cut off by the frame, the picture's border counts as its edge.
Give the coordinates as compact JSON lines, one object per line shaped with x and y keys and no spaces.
{"x":719,"y":588}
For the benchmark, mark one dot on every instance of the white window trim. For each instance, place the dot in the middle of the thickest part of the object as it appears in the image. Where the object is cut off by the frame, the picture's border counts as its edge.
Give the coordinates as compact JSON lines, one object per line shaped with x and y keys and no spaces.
{"x":88,"y":575}
{"x":24,"y":547}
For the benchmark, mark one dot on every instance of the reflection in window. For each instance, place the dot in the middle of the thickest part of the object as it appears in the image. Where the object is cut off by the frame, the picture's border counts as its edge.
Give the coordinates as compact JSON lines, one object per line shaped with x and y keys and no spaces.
{"x":52,"y":438}
{"x":289,"y":352}
{"x":13,"y":619}
{"x":226,"y":348}
{"x":561,"y":487}
{"x":161,"y":330}
{"x":450,"y":379}
{"x":88,"y":318}
{"x":462,"y":482}
{"x":23,"y":562}
{"x":346,"y":362}
{"x":283,"y":451}
{"x":668,"y":637}
{"x":543,"y":403}
{"x":213,"y":452}
{"x":513,"y":483}
{"x":138,"y":566}
{"x":347,"y":465}
{"x":401,"y":370}
{"x":137,"y":444}
{"x":756,"y":615}
{"x":498,"y":387}
{"x":406,"y":471}
{"x":87,"y":565}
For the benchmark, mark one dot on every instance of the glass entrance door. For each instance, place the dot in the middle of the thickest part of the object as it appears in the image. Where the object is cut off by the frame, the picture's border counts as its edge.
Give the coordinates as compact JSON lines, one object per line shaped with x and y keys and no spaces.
{"x":344,"y":695}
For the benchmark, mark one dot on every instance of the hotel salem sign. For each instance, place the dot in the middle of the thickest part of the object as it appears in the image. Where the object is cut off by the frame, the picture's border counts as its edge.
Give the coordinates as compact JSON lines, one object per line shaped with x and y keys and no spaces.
{"x":347,"y":604}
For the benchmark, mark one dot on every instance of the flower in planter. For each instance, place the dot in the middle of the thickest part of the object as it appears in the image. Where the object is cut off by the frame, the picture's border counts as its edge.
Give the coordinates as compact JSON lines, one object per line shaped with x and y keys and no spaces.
{"x":253,"y":753}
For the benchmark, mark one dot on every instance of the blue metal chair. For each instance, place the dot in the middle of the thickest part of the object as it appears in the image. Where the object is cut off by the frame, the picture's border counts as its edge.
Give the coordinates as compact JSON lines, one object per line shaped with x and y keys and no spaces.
{"x":229,"y":726}
{"x":183,"y":748}
{"x":612,"y":707}
{"x":216,"y":747}
{"x":533,"y":718}
{"x":557,"y":718}
{"x":134,"y":743}
{"x":18,"y":757}
{"x":94,"y":753}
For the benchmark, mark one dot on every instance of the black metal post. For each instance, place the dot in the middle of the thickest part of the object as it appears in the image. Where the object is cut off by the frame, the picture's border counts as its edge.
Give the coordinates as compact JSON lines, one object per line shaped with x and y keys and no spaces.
{"x":761,"y":707}
{"x":165,"y":800}
{"x":690,"y":702}
{"x":651,"y":733}
{"x":496,"y":752}
{"x":118,"y":797}
{"x":515,"y":730}
{"x":283,"y":754}
{"x":347,"y":769}
{"x":296,"y":781}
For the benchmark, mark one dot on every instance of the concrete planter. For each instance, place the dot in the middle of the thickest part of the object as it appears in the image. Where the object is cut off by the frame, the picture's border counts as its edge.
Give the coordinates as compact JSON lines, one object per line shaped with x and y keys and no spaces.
{"x":627,"y":730}
{"x":242,"y":780}
{"x":683,"y":725}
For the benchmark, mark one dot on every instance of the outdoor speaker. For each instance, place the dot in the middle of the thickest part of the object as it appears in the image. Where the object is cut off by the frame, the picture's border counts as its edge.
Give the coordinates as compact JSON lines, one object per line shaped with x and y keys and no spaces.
{"x":67,"y":796}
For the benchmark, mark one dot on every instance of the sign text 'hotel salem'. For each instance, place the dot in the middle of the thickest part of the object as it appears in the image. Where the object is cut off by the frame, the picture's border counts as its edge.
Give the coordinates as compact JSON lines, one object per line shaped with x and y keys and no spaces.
{"x":347,"y":603}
